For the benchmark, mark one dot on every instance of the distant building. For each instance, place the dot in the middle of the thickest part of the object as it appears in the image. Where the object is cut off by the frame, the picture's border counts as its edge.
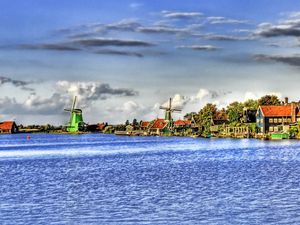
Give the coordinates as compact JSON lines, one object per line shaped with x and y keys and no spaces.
{"x":217,"y":124}
{"x":249,"y":115}
{"x":8,"y":127}
{"x":182,"y":126}
{"x":273,"y":118}
{"x":145,"y":125}
{"x":159,"y":126}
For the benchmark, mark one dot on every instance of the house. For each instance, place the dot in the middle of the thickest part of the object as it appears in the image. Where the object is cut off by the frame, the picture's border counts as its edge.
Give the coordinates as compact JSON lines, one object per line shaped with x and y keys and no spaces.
{"x":145,"y":125}
{"x":273,"y":118}
{"x":181,"y":126}
{"x":217,"y":124}
{"x":159,"y":127}
{"x":182,"y":123}
{"x":8,"y":127}
{"x":249,"y":115}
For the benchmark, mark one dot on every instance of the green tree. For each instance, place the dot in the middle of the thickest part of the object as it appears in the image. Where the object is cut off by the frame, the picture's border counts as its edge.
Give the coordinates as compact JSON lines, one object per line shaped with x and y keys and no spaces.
{"x":134,"y":122}
{"x":235,"y":111}
{"x":269,"y":100}
{"x":127,"y":122}
{"x":251,"y":104}
{"x":206,"y":114}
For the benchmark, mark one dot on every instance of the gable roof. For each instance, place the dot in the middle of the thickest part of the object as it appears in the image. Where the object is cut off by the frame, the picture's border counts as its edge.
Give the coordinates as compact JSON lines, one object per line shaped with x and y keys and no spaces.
{"x":182,"y":122}
{"x":159,"y":124}
{"x":7,"y":125}
{"x":145,"y":124}
{"x":277,"y":110}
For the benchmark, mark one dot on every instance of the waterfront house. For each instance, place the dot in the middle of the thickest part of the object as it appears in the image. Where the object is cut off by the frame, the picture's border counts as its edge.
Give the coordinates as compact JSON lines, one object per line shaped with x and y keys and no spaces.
{"x":8,"y":127}
{"x":270,"y":119}
{"x":145,"y":125}
{"x":218,"y":124}
{"x":159,"y":127}
{"x":182,"y":126}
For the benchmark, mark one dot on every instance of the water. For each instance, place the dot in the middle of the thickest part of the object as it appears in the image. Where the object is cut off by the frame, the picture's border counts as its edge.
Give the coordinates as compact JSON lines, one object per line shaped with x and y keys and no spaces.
{"x":105,"y":179}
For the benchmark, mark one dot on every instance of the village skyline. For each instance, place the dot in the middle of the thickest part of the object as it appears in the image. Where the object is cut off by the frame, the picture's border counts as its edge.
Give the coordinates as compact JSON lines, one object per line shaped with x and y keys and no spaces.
{"x":125,"y":59}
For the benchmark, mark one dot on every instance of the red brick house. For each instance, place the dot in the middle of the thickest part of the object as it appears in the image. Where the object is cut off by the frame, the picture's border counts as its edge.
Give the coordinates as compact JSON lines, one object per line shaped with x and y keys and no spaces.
{"x":8,"y":127}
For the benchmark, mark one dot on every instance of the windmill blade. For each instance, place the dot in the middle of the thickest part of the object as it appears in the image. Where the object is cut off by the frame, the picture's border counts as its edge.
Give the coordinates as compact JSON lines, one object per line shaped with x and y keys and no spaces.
{"x":176,"y":110}
{"x":74,"y":102}
{"x":77,"y":110}
{"x":163,"y":107}
{"x":170,"y":103}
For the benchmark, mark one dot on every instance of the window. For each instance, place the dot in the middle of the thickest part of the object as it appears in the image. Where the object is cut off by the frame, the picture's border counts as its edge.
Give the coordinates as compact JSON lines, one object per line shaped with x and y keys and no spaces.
{"x":289,"y":120}
{"x":257,"y":120}
{"x":271,"y":129}
{"x":298,"y":119}
{"x":275,"y":120}
{"x":285,"y":120}
{"x":271,"y":120}
{"x":275,"y":129}
{"x":279,"y":120}
{"x":261,"y":120}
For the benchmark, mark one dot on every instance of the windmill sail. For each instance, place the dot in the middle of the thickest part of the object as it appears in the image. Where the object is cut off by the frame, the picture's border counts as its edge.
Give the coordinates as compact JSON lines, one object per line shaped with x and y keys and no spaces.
{"x":169,"y":109}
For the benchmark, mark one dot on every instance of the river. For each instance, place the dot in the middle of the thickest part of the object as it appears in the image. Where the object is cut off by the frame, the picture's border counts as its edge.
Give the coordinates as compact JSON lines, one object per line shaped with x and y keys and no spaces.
{"x":107,"y":179}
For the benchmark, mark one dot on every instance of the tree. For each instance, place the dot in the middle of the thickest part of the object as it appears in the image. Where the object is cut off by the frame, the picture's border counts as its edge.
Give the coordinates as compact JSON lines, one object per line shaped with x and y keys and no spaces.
{"x":269,"y":100}
{"x":134,"y":122}
{"x":206,"y":114}
{"x":127,"y":122}
{"x":251,"y":104}
{"x":235,"y":111}
{"x":220,"y":114}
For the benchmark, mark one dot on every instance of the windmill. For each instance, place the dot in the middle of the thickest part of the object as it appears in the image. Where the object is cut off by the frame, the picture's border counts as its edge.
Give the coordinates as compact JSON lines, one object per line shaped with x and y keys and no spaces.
{"x":76,"y":122}
{"x":169,"y":110}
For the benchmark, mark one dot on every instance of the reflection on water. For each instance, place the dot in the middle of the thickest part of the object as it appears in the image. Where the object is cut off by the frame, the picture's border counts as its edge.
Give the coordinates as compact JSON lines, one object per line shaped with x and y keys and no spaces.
{"x":105,"y":179}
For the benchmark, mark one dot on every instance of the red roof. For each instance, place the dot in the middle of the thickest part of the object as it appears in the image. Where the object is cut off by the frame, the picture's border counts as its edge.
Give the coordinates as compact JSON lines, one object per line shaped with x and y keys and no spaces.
{"x":7,"y":125}
{"x":182,"y":122}
{"x":277,"y":110}
{"x":101,"y":126}
{"x":159,"y":124}
{"x":145,"y":124}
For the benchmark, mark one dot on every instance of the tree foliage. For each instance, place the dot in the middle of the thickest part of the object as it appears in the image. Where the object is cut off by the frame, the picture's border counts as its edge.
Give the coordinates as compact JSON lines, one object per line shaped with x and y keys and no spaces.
{"x":269,"y":100}
{"x":235,"y":111}
{"x":206,"y":114}
{"x":251,"y":104}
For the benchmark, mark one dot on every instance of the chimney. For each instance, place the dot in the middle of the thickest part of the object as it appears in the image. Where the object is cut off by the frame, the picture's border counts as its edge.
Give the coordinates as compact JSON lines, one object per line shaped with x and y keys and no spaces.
{"x":286,"y":100}
{"x":294,"y":112}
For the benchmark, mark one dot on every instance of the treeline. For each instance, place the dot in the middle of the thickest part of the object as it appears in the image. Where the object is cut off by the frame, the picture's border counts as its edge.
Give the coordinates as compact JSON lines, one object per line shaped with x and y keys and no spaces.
{"x":233,"y":113}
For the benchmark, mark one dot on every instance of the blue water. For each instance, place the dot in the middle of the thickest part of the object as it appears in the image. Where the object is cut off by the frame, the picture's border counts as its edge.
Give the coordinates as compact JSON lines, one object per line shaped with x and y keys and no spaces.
{"x":105,"y":179}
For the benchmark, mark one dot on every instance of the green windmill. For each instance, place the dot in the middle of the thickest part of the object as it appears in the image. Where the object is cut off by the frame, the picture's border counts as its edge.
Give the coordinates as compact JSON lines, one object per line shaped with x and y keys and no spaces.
{"x":76,"y":122}
{"x":169,"y":110}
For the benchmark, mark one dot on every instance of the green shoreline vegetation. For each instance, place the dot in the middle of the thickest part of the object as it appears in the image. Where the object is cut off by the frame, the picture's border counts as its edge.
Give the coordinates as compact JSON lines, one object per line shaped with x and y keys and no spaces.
{"x":237,"y":120}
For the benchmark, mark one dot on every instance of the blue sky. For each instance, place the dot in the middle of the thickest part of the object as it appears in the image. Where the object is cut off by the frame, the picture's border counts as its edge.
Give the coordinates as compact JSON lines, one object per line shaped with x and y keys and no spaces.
{"x":125,"y":58}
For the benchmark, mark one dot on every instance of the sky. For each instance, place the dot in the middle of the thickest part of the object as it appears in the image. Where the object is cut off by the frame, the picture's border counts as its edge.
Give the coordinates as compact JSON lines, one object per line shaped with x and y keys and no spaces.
{"x":123,"y":59}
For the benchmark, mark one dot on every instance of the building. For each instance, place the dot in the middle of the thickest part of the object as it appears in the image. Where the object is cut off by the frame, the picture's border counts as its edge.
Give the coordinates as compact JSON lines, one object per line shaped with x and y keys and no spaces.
{"x":8,"y":127}
{"x":182,"y":126}
{"x":145,"y":125}
{"x":270,"y":119}
{"x":217,"y":125}
{"x":159,"y":127}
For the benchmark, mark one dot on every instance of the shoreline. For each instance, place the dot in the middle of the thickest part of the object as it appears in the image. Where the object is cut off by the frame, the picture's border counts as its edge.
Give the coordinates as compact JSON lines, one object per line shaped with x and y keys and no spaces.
{"x":264,"y":138}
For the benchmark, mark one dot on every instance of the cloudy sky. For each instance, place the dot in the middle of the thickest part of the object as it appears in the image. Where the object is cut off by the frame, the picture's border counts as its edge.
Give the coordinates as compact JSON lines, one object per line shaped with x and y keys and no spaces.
{"x":125,"y":58}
